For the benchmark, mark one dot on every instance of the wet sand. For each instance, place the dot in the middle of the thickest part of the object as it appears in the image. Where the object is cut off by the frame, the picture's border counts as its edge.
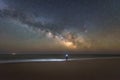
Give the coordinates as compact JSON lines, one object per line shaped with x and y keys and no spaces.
{"x":96,"y":69}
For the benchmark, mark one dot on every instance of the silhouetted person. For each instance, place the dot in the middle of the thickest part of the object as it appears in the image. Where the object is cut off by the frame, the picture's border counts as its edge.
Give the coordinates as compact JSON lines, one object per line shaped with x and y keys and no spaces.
{"x":66,"y":57}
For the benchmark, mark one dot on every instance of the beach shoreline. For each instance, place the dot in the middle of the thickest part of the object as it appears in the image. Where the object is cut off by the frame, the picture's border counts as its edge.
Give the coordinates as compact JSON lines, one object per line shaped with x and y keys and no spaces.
{"x":94,"y":69}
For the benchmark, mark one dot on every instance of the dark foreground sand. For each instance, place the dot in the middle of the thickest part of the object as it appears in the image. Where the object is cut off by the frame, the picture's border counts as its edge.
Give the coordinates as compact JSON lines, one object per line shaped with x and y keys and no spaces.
{"x":97,"y":69}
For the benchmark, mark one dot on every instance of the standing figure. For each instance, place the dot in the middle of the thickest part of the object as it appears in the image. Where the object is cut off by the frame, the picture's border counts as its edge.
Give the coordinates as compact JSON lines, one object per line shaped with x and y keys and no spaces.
{"x":66,"y":57}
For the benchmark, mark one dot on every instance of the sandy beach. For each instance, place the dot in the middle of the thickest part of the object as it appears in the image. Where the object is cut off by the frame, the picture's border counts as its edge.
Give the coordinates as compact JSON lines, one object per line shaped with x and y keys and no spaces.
{"x":96,"y":69}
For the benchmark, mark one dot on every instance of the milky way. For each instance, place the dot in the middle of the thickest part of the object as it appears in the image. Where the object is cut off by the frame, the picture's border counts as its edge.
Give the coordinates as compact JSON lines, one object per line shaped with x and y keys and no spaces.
{"x":65,"y":24}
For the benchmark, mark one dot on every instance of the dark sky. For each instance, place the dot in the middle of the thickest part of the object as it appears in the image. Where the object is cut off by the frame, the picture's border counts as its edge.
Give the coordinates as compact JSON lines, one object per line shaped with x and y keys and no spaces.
{"x":59,"y":25}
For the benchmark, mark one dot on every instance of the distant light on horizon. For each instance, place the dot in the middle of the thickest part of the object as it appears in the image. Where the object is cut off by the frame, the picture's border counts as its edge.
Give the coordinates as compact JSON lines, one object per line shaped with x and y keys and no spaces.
{"x":13,"y":53}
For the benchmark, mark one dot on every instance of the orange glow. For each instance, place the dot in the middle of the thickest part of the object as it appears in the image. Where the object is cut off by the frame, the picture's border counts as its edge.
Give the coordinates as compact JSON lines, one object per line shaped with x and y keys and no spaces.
{"x":69,"y":44}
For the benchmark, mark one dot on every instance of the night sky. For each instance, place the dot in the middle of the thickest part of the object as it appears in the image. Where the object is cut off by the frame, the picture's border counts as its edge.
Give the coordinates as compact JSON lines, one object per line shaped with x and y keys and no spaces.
{"x":38,"y":25}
